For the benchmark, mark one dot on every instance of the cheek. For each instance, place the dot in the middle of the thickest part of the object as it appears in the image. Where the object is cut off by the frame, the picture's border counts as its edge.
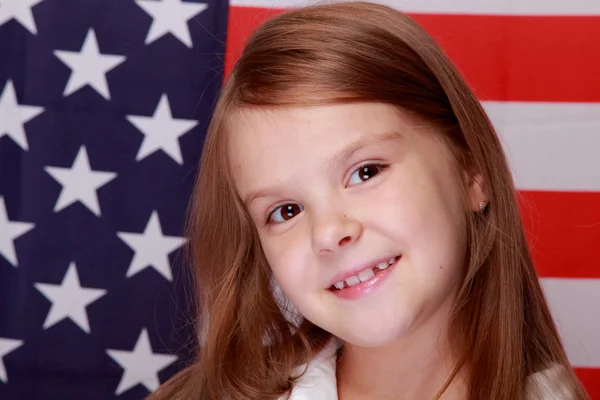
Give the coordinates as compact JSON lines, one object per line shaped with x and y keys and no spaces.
{"x":287,"y":261}
{"x":436,"y":252}
{"x":424,"y":219}
{"x":404,"y":208}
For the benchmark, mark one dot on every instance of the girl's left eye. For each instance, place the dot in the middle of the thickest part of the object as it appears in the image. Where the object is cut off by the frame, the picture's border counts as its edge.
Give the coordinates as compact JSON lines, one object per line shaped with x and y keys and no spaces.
{"x":364,"y":173}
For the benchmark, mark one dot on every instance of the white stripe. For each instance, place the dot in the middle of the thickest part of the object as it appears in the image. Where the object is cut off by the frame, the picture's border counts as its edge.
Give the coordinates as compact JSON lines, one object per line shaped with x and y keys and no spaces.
{"x":494,"y":7}
{"x":550,"y":146}
{"x":574,"y":305}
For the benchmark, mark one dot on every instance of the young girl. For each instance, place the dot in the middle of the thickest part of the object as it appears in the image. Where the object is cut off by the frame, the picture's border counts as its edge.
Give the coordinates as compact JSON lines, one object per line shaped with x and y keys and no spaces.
{"x":354,"y":228}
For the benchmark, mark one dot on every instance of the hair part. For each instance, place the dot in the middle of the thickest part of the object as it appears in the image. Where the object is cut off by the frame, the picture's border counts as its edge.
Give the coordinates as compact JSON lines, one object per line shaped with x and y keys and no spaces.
{"x":346,"y":53}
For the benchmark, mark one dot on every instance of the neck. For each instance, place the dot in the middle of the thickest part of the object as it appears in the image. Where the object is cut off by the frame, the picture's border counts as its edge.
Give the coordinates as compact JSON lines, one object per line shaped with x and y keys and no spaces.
{"x":415,"y":366}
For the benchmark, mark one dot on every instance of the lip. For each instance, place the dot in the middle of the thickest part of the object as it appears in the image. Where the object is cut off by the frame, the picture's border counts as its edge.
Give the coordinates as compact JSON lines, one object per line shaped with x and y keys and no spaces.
{"x":354,"y":271}
{"x":367,"y":287}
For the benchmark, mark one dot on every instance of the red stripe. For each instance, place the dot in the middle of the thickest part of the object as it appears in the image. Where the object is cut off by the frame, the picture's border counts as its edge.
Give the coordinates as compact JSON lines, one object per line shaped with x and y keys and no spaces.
{"x":242,"y":21}
{"x":523,"y":58}
{"x":563,"y":230}
{"x":513,"y":58}
{"x":590,"y":378}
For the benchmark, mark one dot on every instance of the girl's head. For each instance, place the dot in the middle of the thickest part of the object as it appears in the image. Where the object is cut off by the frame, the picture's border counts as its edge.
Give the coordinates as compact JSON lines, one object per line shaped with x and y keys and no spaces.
{"x":337,"y":193}
{"x":345,"y":141}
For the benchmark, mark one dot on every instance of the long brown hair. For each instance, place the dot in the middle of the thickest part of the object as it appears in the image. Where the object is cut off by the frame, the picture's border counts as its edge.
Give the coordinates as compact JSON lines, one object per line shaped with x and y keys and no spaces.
{"x":343,"y":53}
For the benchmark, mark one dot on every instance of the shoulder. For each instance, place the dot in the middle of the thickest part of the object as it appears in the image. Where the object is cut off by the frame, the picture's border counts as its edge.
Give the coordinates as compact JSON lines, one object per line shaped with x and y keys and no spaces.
{"x":553,"y":383}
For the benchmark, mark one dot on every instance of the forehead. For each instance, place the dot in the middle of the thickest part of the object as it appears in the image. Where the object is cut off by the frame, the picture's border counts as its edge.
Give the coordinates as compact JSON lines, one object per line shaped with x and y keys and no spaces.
{"x":268,"y":146}
{"x":254,"y":131}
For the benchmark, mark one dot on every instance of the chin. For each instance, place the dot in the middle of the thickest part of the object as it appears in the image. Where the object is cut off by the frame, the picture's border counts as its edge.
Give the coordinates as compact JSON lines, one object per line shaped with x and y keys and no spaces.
{"x":381,"y":334}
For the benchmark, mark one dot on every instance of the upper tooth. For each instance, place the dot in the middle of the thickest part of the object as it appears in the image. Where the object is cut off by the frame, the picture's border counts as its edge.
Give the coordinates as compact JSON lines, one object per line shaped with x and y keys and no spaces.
{"x":366,"y":274}
{"x":353,"y":280}
{"x":382,"y":265}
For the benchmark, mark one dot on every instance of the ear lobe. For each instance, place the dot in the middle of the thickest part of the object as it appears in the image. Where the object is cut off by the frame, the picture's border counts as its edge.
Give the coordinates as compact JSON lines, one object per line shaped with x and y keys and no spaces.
{"x":476,"y":194}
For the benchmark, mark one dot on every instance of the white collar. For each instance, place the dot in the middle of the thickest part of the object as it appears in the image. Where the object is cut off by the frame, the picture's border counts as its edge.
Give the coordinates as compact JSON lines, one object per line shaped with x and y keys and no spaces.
{"x":319,"y":382}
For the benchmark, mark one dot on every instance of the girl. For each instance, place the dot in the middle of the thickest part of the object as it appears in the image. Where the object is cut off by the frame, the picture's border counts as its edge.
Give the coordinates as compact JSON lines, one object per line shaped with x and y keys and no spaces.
{"x":355,"y":230}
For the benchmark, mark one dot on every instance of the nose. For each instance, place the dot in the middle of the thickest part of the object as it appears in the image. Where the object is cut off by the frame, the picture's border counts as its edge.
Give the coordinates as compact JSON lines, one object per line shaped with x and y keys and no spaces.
{"x":333,"y":232}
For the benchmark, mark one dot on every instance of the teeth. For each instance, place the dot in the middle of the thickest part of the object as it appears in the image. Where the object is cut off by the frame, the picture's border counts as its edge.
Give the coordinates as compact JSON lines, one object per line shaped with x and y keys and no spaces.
{"x":366,"y":274}
{"x":353,"y":280}
{"x":382,"y":265}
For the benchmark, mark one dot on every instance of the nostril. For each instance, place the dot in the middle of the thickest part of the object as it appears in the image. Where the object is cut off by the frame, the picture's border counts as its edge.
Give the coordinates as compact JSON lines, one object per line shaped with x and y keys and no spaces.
{"x":345,"y":240}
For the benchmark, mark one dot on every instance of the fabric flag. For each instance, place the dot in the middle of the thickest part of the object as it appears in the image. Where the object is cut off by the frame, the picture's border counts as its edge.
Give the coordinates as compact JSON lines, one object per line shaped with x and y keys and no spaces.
{"x":534,"y":64}
{"x":103,"y":109}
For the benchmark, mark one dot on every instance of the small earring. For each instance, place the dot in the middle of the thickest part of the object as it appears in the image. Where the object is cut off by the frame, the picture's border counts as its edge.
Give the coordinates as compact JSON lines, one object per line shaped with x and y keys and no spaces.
{"x":482,"y":205}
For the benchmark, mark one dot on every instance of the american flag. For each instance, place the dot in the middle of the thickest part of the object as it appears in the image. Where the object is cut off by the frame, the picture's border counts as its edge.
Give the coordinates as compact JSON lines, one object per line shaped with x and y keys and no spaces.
{"x":103,"y":107}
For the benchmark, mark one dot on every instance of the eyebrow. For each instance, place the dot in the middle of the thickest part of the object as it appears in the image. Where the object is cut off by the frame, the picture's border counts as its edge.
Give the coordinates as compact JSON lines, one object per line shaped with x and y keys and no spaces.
{"x":335,"y":161}
{"x":360,"y":144}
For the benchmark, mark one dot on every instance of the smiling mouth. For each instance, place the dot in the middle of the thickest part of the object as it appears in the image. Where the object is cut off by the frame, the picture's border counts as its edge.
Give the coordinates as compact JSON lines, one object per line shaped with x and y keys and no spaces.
{"x":364,"y":275}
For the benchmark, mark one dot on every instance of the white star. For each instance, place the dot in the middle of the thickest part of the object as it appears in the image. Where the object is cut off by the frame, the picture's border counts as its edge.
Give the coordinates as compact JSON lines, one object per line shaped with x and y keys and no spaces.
{"x":13,"y":116}
{"x":141,"y":365}
{"x":69,"y":300}
{"x":88,"y":66}
{"x":7,"y":346}
{"x":9,"y":231}
{"x":80,"y":182}
{"x":19,"y":10}
{"x":152,"y":248}
{"x":161,"y":131}
{"x":171,"y":16}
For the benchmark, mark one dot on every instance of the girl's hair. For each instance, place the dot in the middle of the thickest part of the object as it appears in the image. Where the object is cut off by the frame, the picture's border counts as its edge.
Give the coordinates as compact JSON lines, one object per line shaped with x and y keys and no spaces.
{"x":346,"y":53}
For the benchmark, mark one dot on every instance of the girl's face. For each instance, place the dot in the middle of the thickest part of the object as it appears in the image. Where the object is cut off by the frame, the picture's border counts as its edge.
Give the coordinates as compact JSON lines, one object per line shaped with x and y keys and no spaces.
{"x":354,"y":197}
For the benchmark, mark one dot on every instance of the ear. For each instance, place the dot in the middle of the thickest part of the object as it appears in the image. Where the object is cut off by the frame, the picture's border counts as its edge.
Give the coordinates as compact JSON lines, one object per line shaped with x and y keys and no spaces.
{"x":476,"y":197}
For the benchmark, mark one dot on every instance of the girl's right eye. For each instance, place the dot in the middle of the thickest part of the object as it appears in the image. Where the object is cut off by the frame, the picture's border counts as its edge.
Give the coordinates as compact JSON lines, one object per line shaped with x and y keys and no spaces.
{"x":284,"y":213}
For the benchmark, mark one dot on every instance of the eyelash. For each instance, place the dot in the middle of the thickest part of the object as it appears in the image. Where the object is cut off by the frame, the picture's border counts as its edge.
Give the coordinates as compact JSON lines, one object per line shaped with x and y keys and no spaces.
{"x":271,"y":211}
{"x":381,"y":167}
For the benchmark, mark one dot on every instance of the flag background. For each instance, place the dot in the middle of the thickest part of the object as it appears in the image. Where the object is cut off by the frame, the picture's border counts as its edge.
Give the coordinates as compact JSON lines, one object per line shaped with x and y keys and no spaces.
{"x":533,"y":64}
{"x":103,"y":109}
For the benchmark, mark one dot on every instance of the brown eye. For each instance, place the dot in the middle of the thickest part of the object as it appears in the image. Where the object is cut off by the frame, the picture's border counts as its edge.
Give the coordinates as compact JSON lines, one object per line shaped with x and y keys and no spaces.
{"x":364,"y":173}
{"x":285,"y":212}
